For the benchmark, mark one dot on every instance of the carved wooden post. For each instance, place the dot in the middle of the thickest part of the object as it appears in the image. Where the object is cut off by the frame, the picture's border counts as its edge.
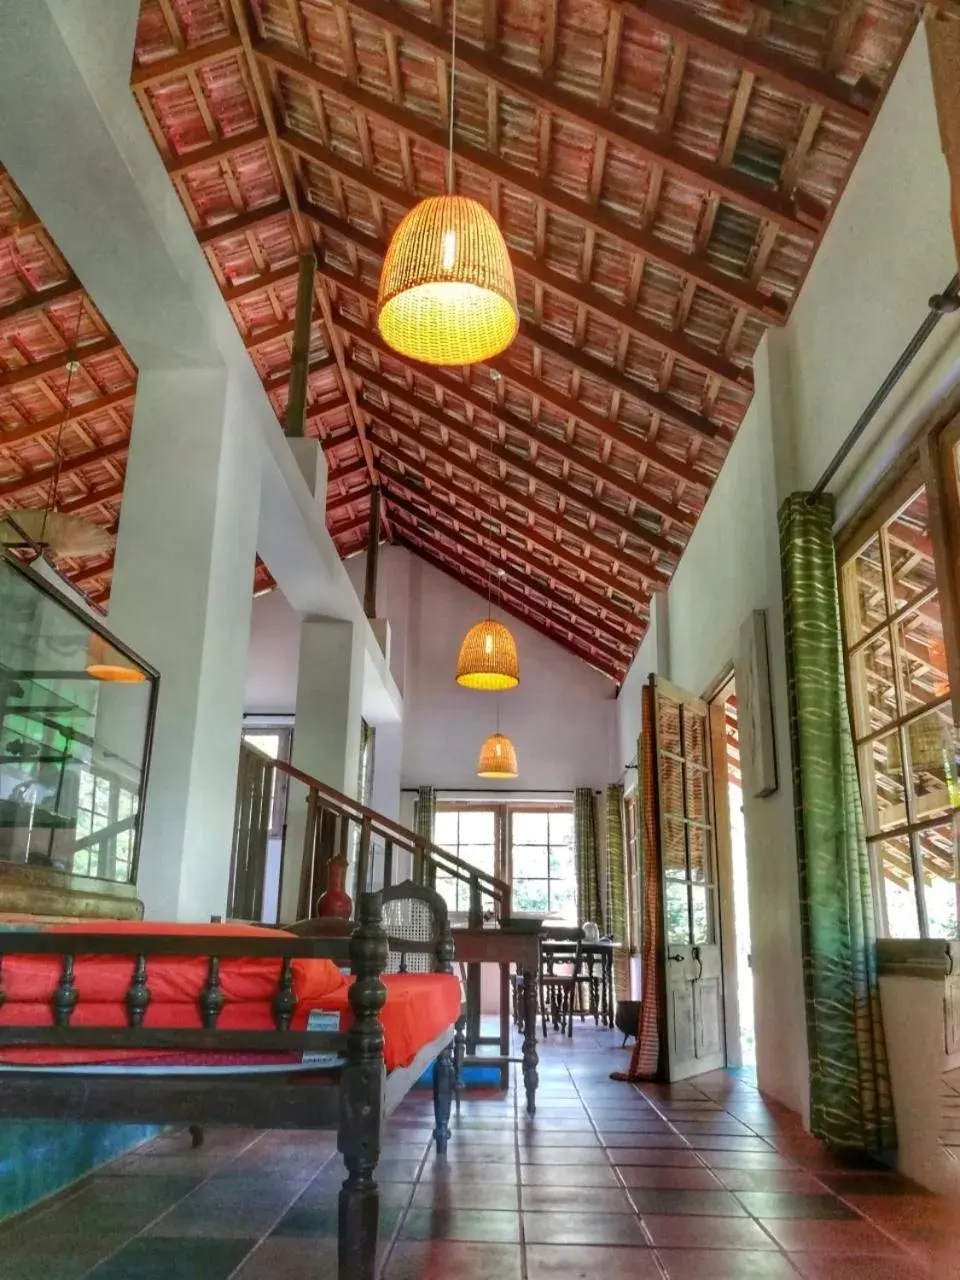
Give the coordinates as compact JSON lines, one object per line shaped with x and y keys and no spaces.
{"x":294,"y":421}
{"x":373,"y":555}
{"x":445,"y":1069}
{"x":361,"y":1094}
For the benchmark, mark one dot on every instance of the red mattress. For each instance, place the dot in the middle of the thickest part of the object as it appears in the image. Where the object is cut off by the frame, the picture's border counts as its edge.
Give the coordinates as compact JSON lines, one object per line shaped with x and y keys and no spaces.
{"x":417,"y":1009}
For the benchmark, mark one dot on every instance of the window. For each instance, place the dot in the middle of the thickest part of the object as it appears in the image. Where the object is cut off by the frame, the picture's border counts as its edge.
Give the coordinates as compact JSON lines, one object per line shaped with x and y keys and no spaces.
{"x":542,"y":866}
{"x":893,"y":576}
{"x":530,"y":846}
{"x":275,"y":741}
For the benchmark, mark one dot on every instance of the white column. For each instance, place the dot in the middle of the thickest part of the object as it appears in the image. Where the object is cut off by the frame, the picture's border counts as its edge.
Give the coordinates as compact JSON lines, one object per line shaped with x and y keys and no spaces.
{"x":182,"y":595}
{"x":326,"y":733}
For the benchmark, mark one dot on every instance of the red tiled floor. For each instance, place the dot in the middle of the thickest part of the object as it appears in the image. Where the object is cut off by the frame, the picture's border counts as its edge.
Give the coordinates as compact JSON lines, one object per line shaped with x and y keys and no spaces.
{"x":704,"y":1180}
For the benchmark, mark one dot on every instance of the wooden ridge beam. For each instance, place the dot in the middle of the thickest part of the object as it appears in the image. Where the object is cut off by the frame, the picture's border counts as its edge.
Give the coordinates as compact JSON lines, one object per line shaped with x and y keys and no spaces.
{"x":43,"y":474}
{"x":704,"y":174}
{"x":528,"y":466}
{"x":632,"y":621}
{"x":740,"y":293}
{"x":215,"y":151}
{"x":576,"y":560}
{"x":622,"y":317}
{"x":423,"y":549}
{"x":536,"y":387}
{"x":178,"y":64}
{"x":27,"y":372}
{"x":488,"y":549}
{"x":76,"y":413}
{"x":93,"y":499}
{"x":654,"y":402}
{"x":36,"y":301}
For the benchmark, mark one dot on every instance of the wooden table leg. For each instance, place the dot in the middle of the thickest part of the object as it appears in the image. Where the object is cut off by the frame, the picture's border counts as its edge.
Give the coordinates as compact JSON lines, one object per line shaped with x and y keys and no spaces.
{"x":505,"y":1019}
{"x":473,"y":1007}
{"x":531,"y":1060}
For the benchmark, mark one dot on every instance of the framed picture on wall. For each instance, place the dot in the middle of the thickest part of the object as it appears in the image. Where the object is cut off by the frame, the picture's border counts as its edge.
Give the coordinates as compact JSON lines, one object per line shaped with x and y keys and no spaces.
{"x":757,"y":743}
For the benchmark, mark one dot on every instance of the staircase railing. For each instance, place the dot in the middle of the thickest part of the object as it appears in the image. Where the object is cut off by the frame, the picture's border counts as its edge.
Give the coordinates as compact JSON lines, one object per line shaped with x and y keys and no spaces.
{"x":337,"y":826}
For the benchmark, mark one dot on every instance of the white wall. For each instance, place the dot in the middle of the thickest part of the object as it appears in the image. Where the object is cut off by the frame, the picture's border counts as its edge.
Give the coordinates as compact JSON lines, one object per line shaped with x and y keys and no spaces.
{"x":888,"y":249}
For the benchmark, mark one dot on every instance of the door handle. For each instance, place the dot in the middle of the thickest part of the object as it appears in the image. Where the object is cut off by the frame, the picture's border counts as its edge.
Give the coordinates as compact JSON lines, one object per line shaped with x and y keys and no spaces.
{"x":696,"y":956}
{"x":678,"y":957}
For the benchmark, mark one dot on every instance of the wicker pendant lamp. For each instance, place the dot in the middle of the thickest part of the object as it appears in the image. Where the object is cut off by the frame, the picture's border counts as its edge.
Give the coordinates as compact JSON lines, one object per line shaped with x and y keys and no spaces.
{"x":488,"y":658}
{"x":447,"y":294}
{"x":498,"y":758}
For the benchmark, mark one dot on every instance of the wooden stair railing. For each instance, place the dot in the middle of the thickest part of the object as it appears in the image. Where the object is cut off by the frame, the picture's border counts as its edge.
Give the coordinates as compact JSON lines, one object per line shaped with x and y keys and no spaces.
{"x":337,"y":826}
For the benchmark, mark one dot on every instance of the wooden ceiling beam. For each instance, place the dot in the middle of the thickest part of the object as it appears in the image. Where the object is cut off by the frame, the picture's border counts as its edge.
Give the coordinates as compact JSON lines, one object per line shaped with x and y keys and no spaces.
{"x":616,"y":314}
{"x":53,"y":364}
{"x":43,"y":475}
{"x":422,"y":548}
{"x":607,"y":429}
{"x":528,"y":467}
{"x":739,"y":293}
{"x":633,"y":621}
{"x":348,"y":526}
{"x":93,"y":499}
{"x":682,"y":22}
{"x":89,"y":572}
{"x":216,"y":151}
{"x":346,"y":500}
{"x":689,"y":168}
{"x":242,"y":221}
{"x":277,"y":381}
{"x":575,"y":559}
{"x":36,"y":301}
{"x":178,"y":64}
{"x":488,"y":549}
{"x":348,"y":469}
{"x":76,"y":413}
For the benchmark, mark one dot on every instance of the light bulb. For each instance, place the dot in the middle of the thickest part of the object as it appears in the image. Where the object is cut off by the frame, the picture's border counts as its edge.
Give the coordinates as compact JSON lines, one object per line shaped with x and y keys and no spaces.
{"x":448,"y":251}
{"x":488,"y":644}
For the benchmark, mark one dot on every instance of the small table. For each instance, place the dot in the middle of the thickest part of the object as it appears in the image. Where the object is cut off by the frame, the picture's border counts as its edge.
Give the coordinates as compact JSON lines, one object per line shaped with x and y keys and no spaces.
{"x":601,"y":952}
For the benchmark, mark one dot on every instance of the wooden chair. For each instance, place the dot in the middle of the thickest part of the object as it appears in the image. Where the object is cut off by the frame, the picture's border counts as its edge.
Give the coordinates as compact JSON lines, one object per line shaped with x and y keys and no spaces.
{"x":559,"y":992}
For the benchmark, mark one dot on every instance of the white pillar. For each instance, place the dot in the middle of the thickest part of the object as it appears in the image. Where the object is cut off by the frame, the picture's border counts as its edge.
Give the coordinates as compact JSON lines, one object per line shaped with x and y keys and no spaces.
{"x":326,"y":732}
{"x":181,"y":596}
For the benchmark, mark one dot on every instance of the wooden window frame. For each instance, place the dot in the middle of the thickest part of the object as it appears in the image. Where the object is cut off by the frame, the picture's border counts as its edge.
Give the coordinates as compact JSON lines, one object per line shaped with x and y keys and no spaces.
{"x":931,"y":463}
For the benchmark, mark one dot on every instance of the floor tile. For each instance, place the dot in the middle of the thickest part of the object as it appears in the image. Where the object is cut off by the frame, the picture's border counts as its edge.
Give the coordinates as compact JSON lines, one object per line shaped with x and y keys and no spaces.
{"x":481,"y":1226}
{"x":788,"y":1204}
{"x":589,"y":1262}
{"x":167,"y":1259}
{"x":856,"y":1236}
{"x":290,"y":1258}
{"x":450,"y":1260}
{"x":585,"y":1176}
{"x":733,"y":1264}
{"x":680,"y":1179}
{"x":663,"y":1158}
{"x":571,"y":1200}
{"x":466,"y":1195}
{"x":872,"y":1184}
{"x":583,"y":1228}
{"x":746,"y":1160}
{"x":719,"y":1204}
{"x":796,"y":1180}
{"x":830,"y":1266}
{"x":706,"y":1233}
{"x":562,"y":1155}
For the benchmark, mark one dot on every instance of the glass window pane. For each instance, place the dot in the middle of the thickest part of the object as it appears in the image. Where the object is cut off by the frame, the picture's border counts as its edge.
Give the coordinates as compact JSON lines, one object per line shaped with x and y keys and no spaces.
{"x":562,"y":863}
{"x":884,"y":799}
{"x":268,"y":743}
{"x":476,"y":826}
{"x":937,"y":849}
{"x":931,"y":742}
{"x":874,"y":694}
{"x":529,"y":828}
{"x":563,"y":900}
{"x":447,"y":888}
{"x":530,"y":860}
{"x":864,"y":596}
{"x":698,"y":840}
{"x":702,"y":915}
{"x":674,"y":849}
{"x":671,"y":786}
{"x":678,"y":917}
{"x":911,"y":551}
{"x":696,"y":793}
{"x":479,"y":856}
{"x":561,"y":828}
{"x":445,"y":828}
{"x":895,"y":868}
{"x":531,"y":895}
{"x":922,"y":656}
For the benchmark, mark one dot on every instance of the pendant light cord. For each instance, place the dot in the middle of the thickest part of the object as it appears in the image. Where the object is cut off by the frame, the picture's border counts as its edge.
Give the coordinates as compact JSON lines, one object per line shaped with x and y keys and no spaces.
{"x":72,"y":366}
{"x":453,"y":84}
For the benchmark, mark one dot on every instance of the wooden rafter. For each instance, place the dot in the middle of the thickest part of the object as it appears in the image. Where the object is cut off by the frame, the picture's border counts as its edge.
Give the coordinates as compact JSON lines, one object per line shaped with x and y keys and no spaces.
{"x":76,"y":413}
{"x":53,"y":364}
{"x":66,"y":467}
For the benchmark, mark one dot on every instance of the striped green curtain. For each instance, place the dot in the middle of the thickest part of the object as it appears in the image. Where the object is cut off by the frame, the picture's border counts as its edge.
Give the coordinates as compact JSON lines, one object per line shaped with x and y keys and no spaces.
{"x":850,"y":1099}
{"x":424,"y":818}
{"x":615,"y":905}
{"x":586,"y":847}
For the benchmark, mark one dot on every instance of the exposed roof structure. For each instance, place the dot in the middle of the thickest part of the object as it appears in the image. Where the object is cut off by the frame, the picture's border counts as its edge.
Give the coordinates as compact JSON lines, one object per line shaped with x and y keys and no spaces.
{"x":662,"y":171}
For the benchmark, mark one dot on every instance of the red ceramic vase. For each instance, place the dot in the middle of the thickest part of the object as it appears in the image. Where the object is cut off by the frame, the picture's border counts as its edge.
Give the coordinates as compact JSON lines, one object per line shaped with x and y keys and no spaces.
{"x":335,"y":903}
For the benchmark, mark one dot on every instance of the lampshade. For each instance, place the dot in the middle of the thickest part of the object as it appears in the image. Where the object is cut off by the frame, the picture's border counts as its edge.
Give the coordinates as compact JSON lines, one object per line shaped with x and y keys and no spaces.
{"x":488,"y":658}
{"x":104,"y":662}
{"x":498,"y":758}
{"x":59,"y":535}
{"x":447,"y":294}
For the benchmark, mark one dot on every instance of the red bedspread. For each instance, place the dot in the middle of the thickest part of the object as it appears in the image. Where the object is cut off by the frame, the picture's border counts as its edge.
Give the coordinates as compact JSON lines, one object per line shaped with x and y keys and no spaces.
{"x":418,"y":1006}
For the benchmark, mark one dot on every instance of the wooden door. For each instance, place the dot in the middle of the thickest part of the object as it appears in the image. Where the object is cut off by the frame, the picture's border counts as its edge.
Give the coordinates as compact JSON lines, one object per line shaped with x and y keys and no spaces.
{"x":690,"y":954}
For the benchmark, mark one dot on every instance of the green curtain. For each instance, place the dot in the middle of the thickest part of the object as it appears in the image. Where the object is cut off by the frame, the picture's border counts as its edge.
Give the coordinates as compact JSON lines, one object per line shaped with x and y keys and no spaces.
{"x":615,"y":906}
{"x":586,"y":847}
{"x":423,"y":824}
{"x":850,"y":1098}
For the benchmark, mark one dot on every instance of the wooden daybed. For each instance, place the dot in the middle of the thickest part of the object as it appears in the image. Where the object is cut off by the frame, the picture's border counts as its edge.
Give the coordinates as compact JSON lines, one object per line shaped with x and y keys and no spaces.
{"x":207,"y":1074}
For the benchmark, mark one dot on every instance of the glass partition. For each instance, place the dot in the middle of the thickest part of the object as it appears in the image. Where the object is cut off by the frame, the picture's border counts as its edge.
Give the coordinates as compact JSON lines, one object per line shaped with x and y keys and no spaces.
{"x":76,"y":715}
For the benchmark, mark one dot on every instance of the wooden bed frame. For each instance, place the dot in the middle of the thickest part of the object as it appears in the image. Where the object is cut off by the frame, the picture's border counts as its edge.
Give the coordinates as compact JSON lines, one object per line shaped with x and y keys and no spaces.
{"x":354,"y":1098}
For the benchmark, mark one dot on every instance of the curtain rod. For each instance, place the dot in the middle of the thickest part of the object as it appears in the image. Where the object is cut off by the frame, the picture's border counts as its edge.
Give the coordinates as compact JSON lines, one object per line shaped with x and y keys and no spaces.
{"x":498,"y":791}
{"x":940,"y":305}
